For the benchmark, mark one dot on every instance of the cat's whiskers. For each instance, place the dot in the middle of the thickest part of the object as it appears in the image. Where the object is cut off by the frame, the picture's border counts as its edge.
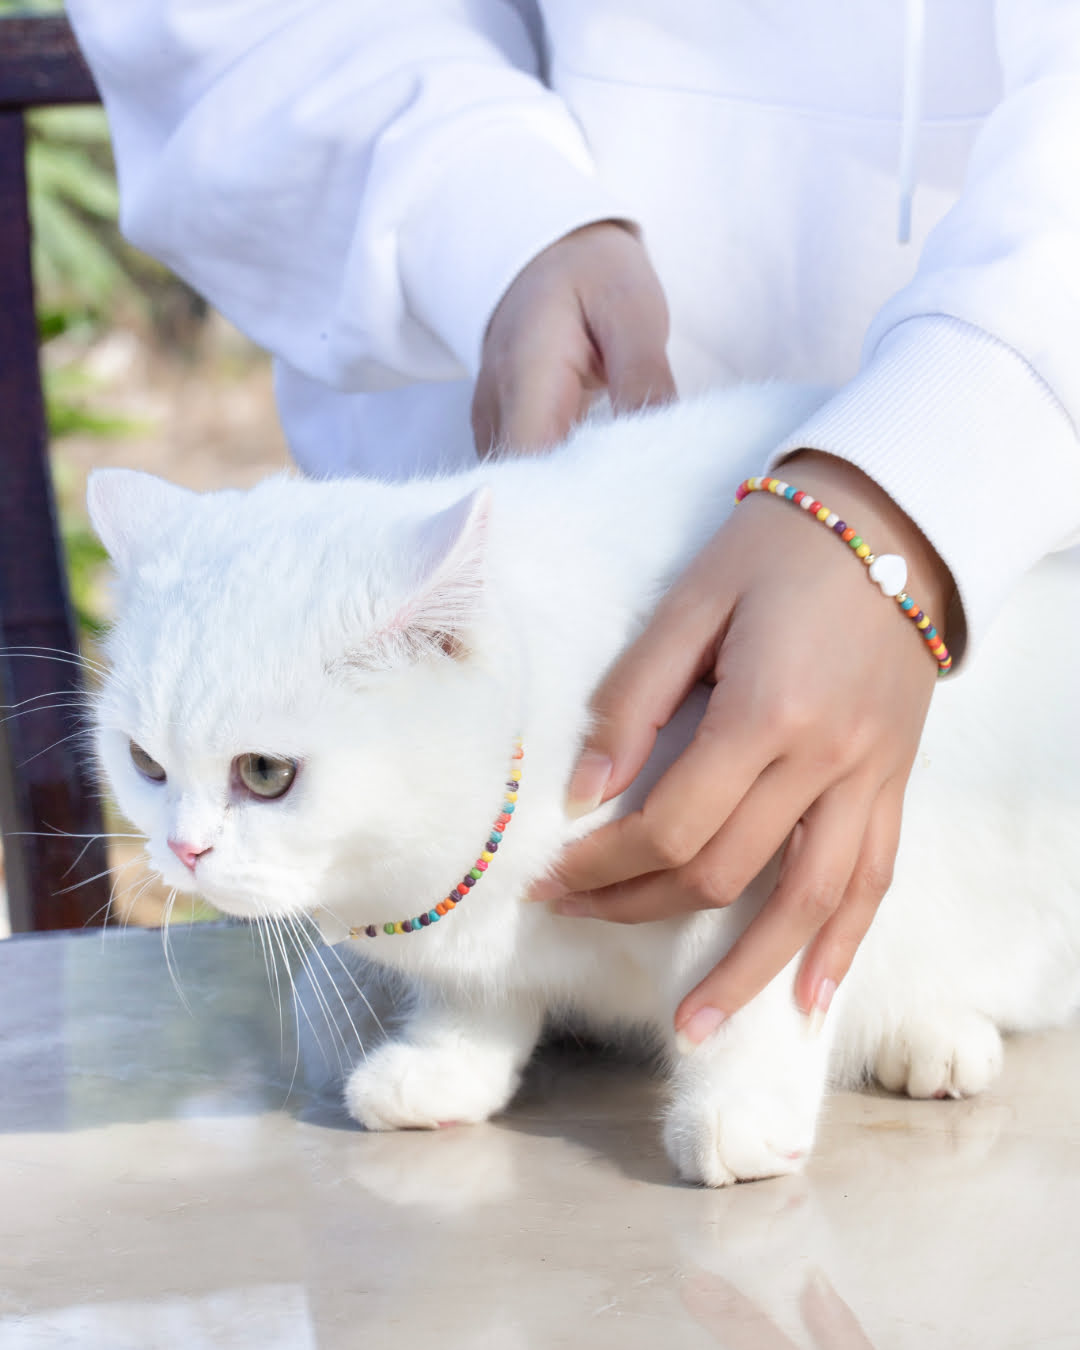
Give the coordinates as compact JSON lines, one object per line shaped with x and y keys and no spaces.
{"x":68,"y":695}
{"x":66,"y":704}
{"x":257,"y":926}
{"x":140,"y":886}
{"x":351,"y":978}
{"x":84,"y":663}
{"x":168,"y":953}
{"x":316,"y":947}
{"x":81,"y":734}
{"x":324,"y":1007}
{"x":66,"y":890}
{"x":274,"y":931}
{"x":54,"y":832}
{"x":115,"y":896}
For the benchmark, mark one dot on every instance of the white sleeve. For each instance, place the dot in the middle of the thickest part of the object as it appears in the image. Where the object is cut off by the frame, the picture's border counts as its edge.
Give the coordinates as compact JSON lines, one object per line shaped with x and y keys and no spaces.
{"x":967,"y":407}
{"x":355,"y":183}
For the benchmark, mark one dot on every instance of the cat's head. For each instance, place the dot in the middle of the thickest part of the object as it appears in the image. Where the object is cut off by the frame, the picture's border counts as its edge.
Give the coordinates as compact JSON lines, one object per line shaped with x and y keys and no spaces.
{"x":308,"y":697}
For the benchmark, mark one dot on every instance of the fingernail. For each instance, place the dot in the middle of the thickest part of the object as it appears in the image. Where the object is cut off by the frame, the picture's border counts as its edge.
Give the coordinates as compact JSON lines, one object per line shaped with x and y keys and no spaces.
{"x":547,"y":888}
{"x":823,"y":996}
{"x":573,"y":907}
{"x":697,"y":1028}
{"x":588,"y":783}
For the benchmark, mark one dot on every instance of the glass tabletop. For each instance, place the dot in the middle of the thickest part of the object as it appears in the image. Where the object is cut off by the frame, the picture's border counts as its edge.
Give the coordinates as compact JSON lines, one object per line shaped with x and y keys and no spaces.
{"x":176,"y":1169}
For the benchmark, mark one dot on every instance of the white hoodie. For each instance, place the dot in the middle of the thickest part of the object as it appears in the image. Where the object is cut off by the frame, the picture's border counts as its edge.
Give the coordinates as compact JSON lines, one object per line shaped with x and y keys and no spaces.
{"x":356,"y":182}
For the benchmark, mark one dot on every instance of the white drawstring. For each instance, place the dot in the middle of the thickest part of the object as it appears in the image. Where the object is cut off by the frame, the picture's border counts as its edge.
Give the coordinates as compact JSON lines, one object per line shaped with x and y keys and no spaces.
{"x":914,"y":65}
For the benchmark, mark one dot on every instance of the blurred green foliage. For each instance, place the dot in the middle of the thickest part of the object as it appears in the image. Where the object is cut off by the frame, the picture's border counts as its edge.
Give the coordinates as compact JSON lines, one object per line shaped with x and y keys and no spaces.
{"x":83,"y":274}
{"x":79,"y":265}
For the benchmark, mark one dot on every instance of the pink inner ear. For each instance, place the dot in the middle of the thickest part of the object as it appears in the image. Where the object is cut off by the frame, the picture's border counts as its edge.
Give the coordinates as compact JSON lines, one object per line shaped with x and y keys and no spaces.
{"x":448,"y":592}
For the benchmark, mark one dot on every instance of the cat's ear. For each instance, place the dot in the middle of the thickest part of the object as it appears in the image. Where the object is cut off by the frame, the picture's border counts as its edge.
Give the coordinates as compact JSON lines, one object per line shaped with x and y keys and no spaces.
{"x":447,"y":591}
{"x":128,"y":510}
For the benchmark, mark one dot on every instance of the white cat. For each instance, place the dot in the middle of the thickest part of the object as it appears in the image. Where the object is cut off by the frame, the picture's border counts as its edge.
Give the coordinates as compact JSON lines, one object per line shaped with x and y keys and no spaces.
{"x":315,"y":692}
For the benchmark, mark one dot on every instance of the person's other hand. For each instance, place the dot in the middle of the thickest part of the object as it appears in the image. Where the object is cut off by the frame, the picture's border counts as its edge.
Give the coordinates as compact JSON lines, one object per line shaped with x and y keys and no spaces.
{"x":821,"y":690}
{"x":585,"y":314}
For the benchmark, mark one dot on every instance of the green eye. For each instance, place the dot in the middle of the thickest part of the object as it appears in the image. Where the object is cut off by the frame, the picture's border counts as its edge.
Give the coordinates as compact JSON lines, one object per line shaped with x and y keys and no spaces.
{"x":266,"y":776}
{"x":149,"y":768}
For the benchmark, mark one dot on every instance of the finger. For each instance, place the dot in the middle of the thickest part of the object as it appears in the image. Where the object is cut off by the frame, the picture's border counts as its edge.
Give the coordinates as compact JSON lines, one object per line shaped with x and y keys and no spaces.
{"x":638,"y":374}
{"x":809,"y":892}
{"x":677,"y":819}
{"x":629,"y":324}
{"x":833,"y":950}
{"x":722,"y":870}
{"x":650,"y":681}
{"x":539,"y":412}
{"x":486,"y":422}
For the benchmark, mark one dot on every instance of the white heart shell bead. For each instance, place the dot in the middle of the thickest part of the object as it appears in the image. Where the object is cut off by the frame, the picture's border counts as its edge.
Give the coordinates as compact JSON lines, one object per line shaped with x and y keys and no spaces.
{"x":889,"y":570}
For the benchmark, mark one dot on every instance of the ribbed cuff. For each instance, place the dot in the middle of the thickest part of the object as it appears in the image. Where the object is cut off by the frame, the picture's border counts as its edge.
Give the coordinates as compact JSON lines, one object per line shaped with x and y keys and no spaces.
{"x":954,"y":425}
{"x":507,"y":197}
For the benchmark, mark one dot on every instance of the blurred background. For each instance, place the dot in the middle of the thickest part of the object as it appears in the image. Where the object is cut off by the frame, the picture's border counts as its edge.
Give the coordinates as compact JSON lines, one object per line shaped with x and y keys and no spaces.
{"x":138,"y":372}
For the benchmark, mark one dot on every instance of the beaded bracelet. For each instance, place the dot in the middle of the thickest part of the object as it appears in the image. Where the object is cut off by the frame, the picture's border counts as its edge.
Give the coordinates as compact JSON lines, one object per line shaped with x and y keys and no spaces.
{"x":888,"y":570}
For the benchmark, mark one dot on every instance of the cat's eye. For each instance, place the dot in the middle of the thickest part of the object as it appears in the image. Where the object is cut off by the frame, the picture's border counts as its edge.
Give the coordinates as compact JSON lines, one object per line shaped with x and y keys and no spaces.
{"x":149,"y":768}
{"x":265,"y":776}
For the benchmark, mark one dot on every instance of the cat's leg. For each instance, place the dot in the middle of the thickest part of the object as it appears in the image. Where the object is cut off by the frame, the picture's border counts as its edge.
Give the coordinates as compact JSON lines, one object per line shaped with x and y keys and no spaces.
{"x":939,"y":1052}
{"x":744,"y":1104}
{"x":456,"y":1061}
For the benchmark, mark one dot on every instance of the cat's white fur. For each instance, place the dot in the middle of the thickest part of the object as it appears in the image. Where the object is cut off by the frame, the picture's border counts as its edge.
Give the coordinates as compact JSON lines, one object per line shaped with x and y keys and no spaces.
{"x":394,"y":639}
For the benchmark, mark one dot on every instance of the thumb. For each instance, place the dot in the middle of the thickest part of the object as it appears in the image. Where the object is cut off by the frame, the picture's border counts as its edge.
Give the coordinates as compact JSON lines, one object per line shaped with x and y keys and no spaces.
{"x":638,"y":376}
{"x":642,"y":693}
{"x":631,"y":335}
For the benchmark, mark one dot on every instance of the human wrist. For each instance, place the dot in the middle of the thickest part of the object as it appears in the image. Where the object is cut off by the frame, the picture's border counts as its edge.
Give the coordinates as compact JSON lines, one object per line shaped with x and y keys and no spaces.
{"x":865,"y":505}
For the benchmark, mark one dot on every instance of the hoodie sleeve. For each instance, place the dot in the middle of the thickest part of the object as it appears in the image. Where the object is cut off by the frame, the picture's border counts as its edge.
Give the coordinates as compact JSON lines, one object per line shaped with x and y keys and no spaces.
{"x":353,"y":184}
{"x":967,"y":406}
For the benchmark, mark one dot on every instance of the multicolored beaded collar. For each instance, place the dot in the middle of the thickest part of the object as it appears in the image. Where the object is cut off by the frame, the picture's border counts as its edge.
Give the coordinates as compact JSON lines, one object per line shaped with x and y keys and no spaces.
{"x":472,"y":876}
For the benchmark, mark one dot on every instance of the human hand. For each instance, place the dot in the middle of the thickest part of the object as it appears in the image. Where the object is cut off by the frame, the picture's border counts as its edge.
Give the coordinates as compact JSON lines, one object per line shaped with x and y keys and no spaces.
{"x":810,"y":732}
{"x":586,"y":313}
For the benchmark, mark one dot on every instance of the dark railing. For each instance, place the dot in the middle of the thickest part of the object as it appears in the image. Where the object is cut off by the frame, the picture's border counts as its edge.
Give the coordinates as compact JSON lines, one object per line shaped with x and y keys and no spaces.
{"x":49,"y":809}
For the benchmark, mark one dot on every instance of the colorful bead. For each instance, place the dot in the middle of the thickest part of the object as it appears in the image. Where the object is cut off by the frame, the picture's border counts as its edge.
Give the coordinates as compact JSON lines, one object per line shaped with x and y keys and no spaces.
{"x":875,"y":566}
{"x":475,"y":873}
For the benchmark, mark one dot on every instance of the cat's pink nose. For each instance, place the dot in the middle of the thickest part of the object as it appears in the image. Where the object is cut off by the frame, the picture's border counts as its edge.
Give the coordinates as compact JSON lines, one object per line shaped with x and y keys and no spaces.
{"x":187,"y":853}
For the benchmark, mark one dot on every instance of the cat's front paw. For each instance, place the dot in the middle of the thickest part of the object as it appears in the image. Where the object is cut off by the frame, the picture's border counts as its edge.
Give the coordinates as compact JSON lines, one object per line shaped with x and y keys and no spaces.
{"x":948,"y":1052}
{"x":403,"y":1086}
{"x":718,"y":1137}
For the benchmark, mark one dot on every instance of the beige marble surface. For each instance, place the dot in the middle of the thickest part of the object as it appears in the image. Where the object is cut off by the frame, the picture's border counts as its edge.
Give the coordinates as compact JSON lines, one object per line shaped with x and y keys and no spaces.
{"x":184,"y":1177}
